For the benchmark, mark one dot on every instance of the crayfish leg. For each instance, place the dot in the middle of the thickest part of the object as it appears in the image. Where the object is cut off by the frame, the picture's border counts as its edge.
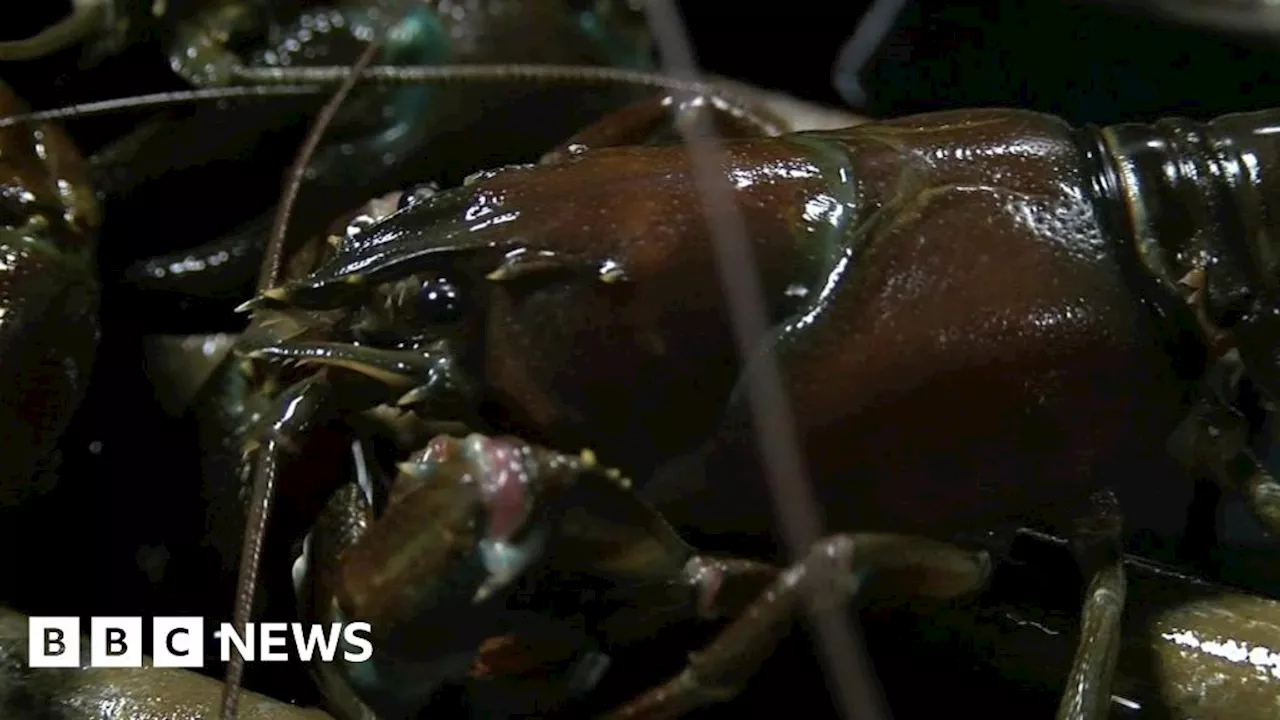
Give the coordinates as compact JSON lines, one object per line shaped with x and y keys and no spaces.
{"x":1098,"y":542}
{"x":1214,"y":440}
{"x":1088,"y":693}
{"x":831,"y":574}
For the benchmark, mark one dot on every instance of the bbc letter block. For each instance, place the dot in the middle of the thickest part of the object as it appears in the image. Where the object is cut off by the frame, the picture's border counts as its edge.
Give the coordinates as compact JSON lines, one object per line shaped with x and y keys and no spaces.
{"x":53,"y":642}
{"x":115,"y":642}
{"x":178,"y":642}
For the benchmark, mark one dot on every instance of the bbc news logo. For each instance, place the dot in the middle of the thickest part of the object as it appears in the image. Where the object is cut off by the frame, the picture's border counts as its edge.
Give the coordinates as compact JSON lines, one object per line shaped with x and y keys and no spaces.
{"x":179,"y":642}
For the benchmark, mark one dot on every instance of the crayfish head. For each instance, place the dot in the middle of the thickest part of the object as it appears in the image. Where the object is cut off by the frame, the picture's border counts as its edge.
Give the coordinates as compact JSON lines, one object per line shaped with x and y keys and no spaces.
{"x":404,"y":325}
{"x":379,"y":281}
{"x":603,"y":318}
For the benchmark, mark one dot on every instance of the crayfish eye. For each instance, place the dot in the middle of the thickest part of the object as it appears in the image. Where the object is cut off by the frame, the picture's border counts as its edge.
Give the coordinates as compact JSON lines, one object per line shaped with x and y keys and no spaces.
{"x":409,"y":306}
{"x":438,"y":302}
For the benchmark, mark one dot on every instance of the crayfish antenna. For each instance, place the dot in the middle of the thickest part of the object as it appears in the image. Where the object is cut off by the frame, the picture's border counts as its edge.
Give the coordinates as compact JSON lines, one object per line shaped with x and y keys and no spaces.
{"x":264,"y":477}
{"x":294,"y":81}
{"x":549,"y":74}
{"x":274,"y":257}
{"x":160,"y":99}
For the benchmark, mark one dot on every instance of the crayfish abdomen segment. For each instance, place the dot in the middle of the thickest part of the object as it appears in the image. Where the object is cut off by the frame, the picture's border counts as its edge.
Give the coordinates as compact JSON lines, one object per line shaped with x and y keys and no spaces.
{"x":1197,"y":204}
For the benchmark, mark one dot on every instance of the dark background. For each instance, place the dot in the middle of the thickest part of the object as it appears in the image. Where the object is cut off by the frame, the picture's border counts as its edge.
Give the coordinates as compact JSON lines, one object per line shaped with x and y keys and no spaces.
{"x":1087,"y":62}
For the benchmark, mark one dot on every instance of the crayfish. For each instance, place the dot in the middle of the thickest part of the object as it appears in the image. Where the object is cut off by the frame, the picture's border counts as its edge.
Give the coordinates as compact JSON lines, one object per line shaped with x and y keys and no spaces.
{"x":983,"y":318}
{"x":48,"y":293}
